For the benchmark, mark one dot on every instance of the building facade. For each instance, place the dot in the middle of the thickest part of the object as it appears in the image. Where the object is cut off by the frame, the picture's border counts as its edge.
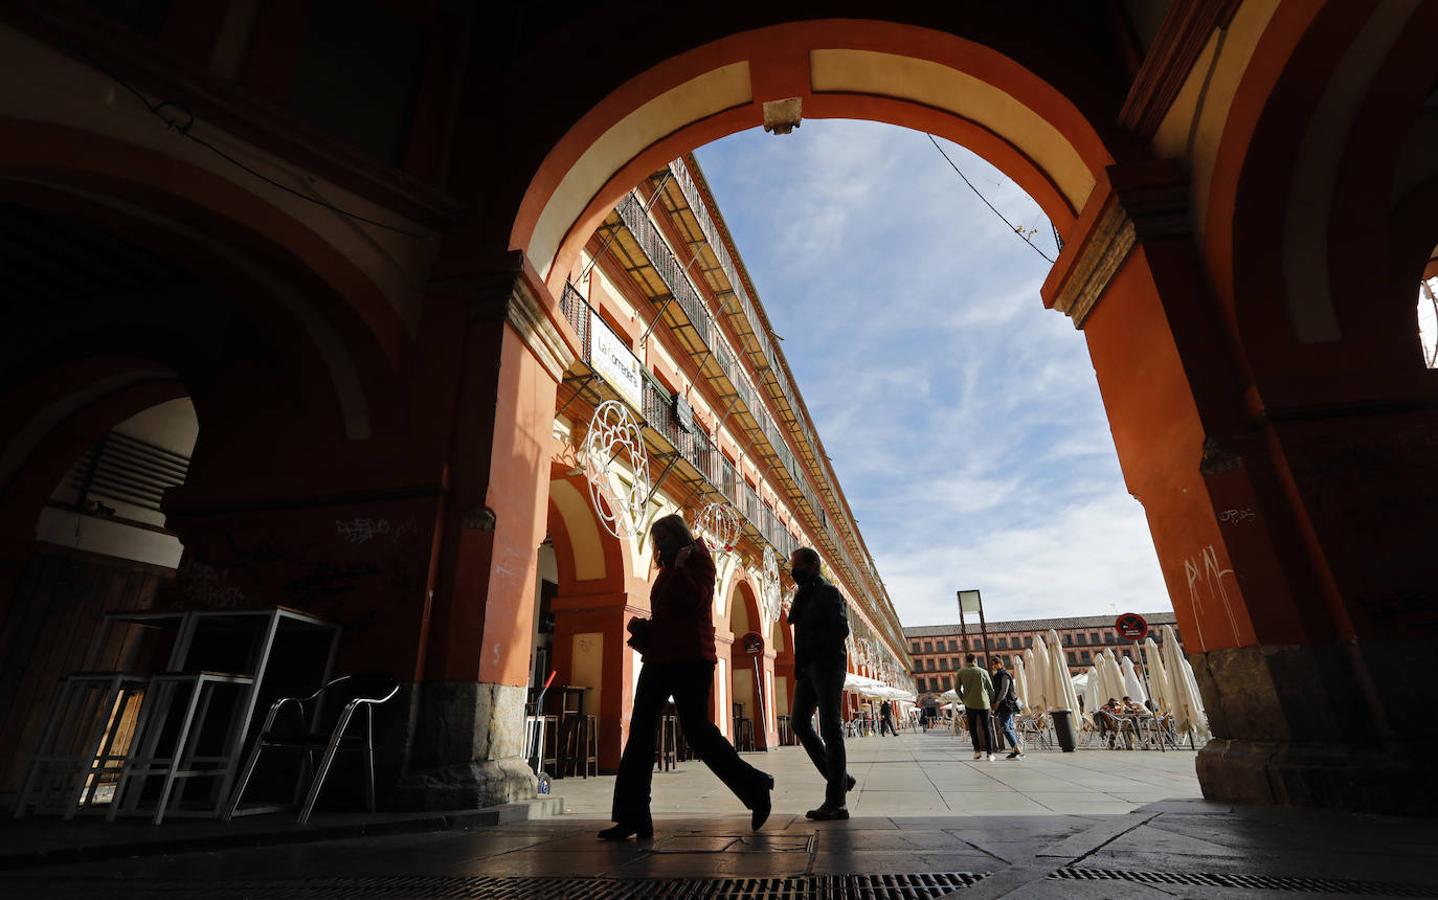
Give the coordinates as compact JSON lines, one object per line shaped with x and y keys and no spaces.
{"x":345,"y":232}
{"x":671,"y":328}
{"x":938,"y":650}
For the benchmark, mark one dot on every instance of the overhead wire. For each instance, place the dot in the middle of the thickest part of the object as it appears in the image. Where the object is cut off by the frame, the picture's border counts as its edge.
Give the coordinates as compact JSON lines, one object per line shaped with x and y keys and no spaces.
{"x":1012,"y":227}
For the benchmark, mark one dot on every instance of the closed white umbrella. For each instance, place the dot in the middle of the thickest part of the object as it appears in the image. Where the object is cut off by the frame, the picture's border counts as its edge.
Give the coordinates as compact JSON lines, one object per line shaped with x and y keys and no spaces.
{"x":1197,"y":697}
{"x":1112,"y":676}
{"x":1021,"y":680}
{"x":1187,"y":708}
{"x":1132,"y":683}
{"x":1158,"y":683}
{"x":1063,"y":689}
{"x":1039,"y":677}
{"x":1090,"y":690}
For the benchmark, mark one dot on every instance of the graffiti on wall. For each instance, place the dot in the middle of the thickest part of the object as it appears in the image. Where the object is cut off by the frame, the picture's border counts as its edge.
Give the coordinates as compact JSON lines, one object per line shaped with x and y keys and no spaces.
{"x":1208,"y":584}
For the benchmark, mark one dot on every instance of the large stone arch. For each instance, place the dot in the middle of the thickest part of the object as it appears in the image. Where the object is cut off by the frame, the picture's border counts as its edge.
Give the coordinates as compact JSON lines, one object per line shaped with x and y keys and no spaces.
{"x":900,"y":74}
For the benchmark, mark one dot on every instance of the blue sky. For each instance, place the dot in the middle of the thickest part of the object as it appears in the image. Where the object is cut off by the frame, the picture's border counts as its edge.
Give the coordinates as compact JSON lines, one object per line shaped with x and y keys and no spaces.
{"x":963,"y":418}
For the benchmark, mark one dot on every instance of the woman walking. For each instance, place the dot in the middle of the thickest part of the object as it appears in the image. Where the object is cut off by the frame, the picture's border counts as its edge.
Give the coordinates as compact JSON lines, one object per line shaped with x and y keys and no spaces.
{"x":679,"y":660}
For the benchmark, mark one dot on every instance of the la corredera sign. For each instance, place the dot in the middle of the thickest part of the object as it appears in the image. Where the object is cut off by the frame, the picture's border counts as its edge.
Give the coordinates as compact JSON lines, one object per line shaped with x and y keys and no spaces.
{"x":612,"y":359}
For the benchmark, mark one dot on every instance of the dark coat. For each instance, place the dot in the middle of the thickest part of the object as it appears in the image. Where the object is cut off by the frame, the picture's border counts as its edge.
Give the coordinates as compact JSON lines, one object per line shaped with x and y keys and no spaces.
{"x":681,"y":602}
{"x":1003,"y":689}
{"x":820,"y":619}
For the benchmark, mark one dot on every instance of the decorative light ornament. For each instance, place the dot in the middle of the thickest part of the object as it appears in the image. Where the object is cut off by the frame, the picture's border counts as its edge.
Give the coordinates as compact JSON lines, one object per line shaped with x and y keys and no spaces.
{"x":769,"y":588}
{"x":718,"y":526}
{"x":614,"y":434}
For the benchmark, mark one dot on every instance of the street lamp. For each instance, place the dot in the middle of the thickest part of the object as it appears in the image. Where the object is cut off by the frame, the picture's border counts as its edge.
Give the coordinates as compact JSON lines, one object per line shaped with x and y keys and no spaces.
{"x":973,"y":602}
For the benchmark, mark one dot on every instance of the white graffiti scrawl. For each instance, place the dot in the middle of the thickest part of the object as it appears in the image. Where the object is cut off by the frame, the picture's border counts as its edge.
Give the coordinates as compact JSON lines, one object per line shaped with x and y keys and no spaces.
{"x":1205,"y":584}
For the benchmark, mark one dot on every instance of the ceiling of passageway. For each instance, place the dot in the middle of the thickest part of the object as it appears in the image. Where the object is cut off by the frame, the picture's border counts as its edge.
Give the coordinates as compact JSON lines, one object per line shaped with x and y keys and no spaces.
{"x":46,"y":259}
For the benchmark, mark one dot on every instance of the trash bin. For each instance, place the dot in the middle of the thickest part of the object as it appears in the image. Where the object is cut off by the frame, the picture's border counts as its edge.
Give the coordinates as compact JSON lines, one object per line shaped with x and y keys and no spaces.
{"x":1064,"y":729}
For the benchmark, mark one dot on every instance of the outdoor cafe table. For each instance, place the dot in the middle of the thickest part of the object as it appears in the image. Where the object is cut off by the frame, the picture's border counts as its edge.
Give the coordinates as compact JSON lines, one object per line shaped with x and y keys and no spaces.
{"x":267,"y":623}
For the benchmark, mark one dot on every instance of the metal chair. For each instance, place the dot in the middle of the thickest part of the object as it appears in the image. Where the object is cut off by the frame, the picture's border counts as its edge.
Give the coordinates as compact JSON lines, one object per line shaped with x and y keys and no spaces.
{"x":367,"y":690}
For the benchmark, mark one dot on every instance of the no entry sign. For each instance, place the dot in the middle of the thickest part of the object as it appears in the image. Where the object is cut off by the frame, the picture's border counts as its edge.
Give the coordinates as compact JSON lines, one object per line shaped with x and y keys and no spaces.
{"x":1131,"y":626}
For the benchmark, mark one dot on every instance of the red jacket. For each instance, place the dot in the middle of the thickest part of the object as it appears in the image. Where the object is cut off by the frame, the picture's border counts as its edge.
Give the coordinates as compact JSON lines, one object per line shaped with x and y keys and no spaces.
{"x":681,"y":607}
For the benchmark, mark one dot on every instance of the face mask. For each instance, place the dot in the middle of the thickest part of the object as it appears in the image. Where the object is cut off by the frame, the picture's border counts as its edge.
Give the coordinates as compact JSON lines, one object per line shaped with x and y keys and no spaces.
{"x":803,"y":577}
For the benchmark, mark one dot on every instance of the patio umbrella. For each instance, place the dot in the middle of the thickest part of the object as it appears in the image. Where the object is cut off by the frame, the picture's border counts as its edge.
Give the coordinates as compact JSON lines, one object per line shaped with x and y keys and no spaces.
{"x":1132,"y":683}
{"x":1090,"y":690}
{"x":1158,"y":683}
{"x":1021,"y":681}
{"x":1194,"y":693}
{"x":1039,"y":678}
{"x":1187,"y":708}
{"x":1112,"y":676}
{"x":1063,"y":696}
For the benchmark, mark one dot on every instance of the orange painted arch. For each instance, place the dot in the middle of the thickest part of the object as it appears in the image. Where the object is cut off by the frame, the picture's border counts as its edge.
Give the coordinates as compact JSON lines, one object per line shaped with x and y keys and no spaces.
{"x":777,"y":57}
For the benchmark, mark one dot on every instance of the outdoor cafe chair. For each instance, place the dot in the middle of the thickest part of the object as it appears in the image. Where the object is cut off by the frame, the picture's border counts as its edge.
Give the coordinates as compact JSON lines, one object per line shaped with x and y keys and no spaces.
{"x":364,"y":691}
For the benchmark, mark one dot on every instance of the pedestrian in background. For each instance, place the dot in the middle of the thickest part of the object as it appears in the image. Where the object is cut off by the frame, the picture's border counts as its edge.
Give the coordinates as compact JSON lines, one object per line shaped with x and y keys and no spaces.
{"x":976,"y":692}
{"x":1006,"y":706}
{"x":886,"y":719}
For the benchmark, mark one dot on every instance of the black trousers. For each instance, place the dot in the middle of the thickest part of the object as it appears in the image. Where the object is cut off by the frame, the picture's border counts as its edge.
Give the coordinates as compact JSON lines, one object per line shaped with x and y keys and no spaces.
{"x":981,"y":729}
{"x":820,"y":686}
{"x":887,"y":724}
{"x":689,"y":683}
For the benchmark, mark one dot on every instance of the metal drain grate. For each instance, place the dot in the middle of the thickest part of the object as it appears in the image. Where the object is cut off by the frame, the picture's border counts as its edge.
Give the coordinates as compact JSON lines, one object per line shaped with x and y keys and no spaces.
{"x":1254,"y":882}
{"x":804,"y":887}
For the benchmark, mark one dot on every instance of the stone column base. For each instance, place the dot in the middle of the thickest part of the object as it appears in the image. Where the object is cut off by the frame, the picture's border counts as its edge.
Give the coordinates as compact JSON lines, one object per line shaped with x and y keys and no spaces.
{"x":466,"y":786}
{"x":1294,"y":725}
{"x":1328,"y":775}
{"x":467,"y":749}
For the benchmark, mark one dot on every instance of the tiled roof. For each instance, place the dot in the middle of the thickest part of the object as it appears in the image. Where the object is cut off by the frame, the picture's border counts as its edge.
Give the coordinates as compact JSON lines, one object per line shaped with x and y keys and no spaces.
{"x":1154,"y":619}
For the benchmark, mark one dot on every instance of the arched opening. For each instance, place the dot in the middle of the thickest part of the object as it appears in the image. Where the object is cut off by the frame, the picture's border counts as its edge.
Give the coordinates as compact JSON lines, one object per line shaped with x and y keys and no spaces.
{"x":747,"y":680}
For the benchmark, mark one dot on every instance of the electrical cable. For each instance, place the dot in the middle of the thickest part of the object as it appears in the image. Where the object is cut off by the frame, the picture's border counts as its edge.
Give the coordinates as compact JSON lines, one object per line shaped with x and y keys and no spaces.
{"x":1012,"y":227}
{"x":184,"y":131}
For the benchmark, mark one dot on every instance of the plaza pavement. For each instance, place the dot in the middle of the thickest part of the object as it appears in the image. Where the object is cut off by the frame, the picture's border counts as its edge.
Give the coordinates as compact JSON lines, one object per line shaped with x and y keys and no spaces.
{"x":928,"y":822}
{"x":931,"y":774}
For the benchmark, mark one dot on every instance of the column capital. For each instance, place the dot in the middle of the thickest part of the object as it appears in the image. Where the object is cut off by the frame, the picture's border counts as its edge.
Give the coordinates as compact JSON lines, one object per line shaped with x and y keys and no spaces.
{"x":516,"y":295}
{"x":1131,"y":203}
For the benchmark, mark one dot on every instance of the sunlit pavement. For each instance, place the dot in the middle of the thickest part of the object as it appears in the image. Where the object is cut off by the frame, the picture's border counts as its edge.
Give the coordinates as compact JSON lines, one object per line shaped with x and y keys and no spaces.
{"x":928,"y":822}
{"x":931,"y":774}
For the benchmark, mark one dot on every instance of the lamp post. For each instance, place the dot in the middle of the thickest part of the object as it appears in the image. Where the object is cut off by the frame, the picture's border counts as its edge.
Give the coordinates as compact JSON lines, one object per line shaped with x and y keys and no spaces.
{"x":973,"y":602}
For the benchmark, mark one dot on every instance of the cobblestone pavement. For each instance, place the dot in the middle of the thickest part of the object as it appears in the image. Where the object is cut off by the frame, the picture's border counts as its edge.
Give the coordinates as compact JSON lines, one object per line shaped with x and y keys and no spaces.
{"x":929,"y":822}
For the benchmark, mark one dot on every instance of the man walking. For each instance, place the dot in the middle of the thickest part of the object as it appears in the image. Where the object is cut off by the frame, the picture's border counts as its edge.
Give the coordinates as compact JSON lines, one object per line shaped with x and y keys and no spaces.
{"x":886,"y":719}
{"x":1006,"y":705}
{"x":976,"y":692}
{"x":820,"y":621}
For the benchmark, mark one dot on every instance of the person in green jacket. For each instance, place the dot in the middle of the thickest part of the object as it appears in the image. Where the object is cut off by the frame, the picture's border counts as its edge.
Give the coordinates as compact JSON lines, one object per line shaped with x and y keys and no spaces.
{"x":976,"y":691}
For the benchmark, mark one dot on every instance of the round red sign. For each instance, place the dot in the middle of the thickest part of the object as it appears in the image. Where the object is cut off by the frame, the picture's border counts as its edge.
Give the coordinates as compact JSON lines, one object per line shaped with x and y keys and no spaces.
{"x":1131,"y":627}
{"x":752,"y":643}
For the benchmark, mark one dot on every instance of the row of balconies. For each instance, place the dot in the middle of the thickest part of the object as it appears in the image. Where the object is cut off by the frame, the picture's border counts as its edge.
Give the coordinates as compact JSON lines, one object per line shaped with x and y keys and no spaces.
{"x":770,"y":359}
{"x":696,"y":316}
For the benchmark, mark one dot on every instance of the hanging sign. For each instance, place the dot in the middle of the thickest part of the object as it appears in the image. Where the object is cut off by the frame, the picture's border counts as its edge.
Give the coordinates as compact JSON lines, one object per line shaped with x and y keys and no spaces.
{"x":1131,"y":627}
{"x":615,"y":362}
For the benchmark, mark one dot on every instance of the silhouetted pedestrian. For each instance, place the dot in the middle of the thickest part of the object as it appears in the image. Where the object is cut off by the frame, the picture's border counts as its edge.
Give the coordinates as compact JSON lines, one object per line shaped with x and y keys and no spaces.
{"x":820,"y":619}
{"x":886,"y":719}
{"x":679,"y":660}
